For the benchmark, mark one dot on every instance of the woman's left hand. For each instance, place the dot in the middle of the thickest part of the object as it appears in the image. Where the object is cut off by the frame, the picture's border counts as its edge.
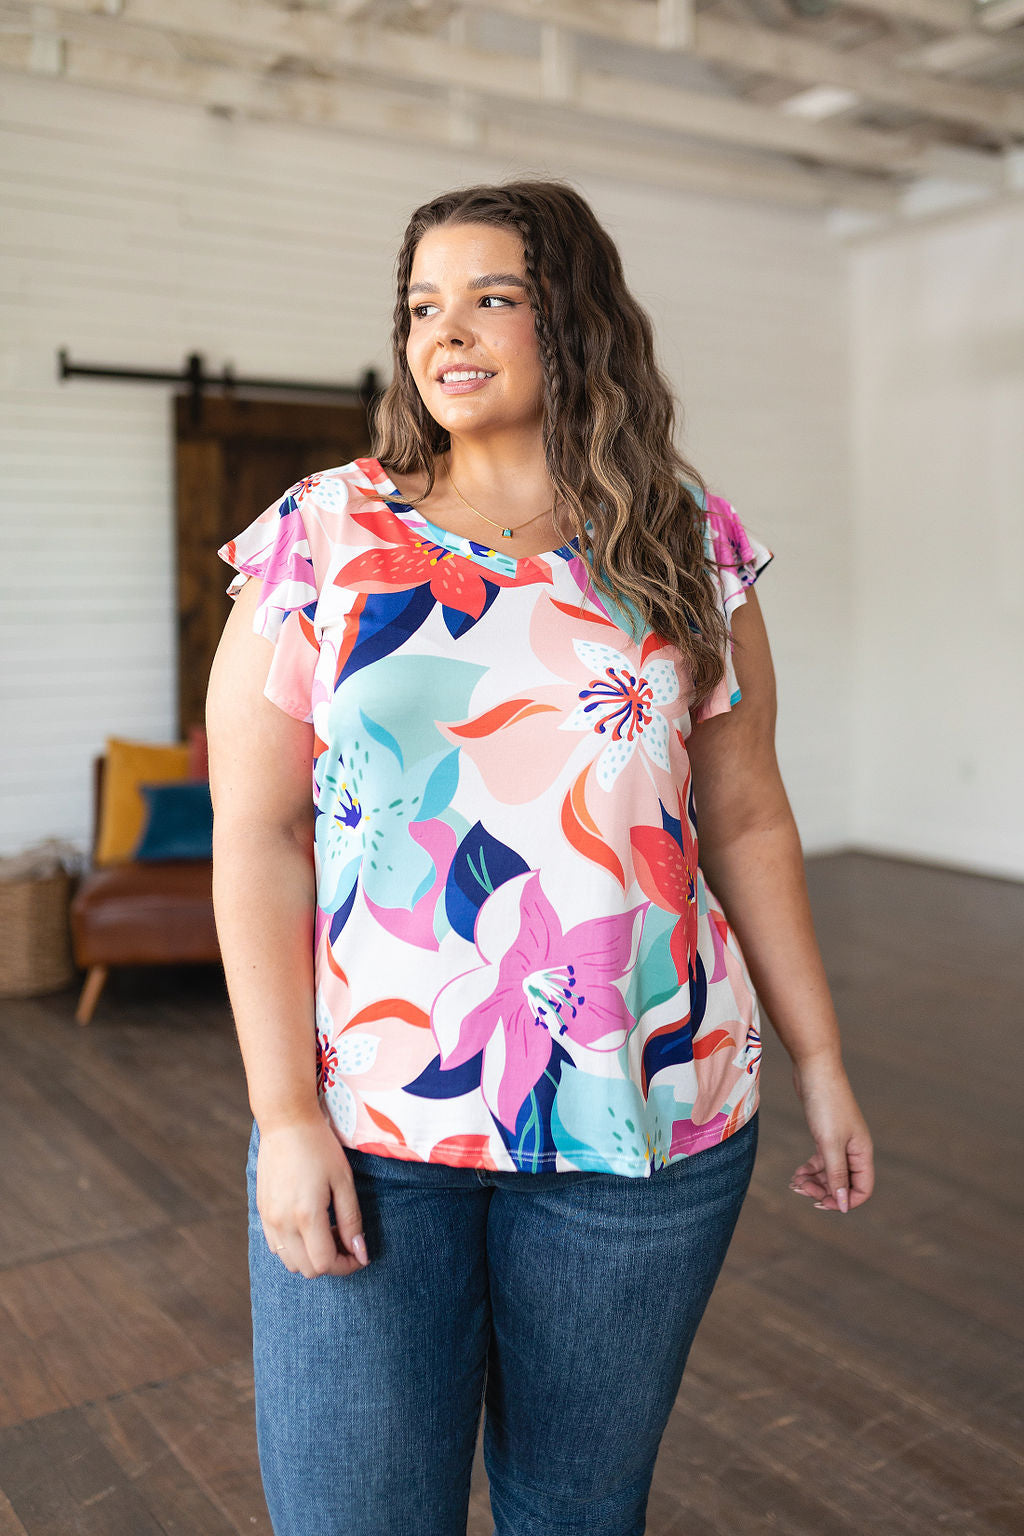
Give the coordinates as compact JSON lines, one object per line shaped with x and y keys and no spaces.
{"x":841,"y":1173}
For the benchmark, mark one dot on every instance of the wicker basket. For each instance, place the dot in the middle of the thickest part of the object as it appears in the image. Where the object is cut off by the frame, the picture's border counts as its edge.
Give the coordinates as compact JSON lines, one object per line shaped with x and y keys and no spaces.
{"x":35,"y":935}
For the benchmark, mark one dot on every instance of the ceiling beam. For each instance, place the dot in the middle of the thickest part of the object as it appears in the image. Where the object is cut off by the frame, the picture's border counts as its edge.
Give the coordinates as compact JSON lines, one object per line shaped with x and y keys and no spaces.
{"x":942,"y":15}
{"x":365,"y":109}
{"x":349,"y":10}
{"x":808,"y":64}
{"x":319,"y":39}
{"x":786,"y":55}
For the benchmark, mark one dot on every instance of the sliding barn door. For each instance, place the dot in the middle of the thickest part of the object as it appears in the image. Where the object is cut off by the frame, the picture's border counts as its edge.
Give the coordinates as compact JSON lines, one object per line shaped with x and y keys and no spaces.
{"x":239,"y":457}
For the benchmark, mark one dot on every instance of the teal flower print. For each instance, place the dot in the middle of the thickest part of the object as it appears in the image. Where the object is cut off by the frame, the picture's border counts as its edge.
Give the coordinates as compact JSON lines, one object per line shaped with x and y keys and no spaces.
{"x":367,"y":801}
{"x":602,"y":1124}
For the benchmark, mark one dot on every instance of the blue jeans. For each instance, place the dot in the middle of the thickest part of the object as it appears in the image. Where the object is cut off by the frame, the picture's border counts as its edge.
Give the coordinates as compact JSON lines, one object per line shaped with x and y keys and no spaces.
{"x":565,"y":1303}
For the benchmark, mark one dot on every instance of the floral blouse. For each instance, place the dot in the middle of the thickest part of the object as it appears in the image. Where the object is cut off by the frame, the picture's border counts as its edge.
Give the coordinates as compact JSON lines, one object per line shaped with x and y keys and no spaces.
{"x":518,"y":962}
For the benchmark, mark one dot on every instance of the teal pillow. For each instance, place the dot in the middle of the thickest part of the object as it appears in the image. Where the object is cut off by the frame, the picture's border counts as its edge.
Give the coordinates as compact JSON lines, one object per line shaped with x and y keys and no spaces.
{"x":179,"y":821}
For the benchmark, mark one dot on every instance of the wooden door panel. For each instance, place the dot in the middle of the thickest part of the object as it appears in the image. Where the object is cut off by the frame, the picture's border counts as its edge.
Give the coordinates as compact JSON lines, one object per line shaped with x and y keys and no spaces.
{"x":238,"y":458}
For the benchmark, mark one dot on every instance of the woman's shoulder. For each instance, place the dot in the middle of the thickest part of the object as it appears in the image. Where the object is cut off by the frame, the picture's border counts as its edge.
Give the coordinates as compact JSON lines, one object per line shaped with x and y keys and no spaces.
{"x":723,"y":531}
{"x":738,"y":553}
{"x":309,"y":521}
{"x":326,"y":500}
{"x":341,"y":483}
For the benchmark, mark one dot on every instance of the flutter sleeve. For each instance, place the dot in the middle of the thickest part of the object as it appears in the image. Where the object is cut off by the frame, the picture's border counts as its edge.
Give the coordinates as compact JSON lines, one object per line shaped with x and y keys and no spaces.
{"x":741,"y":558}
{"x":276,"y":548}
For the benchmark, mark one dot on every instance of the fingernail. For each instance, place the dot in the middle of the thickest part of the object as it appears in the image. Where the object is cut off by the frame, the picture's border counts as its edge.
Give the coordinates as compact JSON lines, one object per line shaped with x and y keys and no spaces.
{"x":359,"y":1248}
{"x":819,"y":1205}
{"x":841,"y":1197}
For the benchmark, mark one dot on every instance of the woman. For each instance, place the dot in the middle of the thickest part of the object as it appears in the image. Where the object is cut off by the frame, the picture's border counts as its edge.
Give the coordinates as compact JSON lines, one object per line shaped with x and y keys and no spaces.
{"x":501,"y":1043}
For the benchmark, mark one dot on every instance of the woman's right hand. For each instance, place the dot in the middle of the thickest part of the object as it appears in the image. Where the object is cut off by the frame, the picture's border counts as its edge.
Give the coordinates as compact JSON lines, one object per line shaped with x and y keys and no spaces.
{"x":301,"y":1168}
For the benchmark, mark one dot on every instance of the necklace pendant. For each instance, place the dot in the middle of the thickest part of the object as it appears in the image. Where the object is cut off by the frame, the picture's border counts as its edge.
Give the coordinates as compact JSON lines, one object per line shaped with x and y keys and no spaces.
{"x":506,"y":533}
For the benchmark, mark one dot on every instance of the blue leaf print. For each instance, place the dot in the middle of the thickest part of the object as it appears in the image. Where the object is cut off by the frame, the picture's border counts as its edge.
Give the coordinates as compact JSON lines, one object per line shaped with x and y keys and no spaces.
{"x":385,"y":624}
{"x":531,"y":1145}
{"x":434,"y":1083}
{"x":480,"y":865}
{"x":669,"y":1050}
{"x":458,"y":623}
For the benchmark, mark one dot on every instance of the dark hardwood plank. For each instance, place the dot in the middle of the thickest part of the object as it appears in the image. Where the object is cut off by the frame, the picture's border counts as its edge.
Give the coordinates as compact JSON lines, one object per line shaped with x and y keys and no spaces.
{"x":147,"y":1461}
{"x":27,"y":1388}
{"x":58,"y":1185}
{"x":167,"y":1105}
{"x":709,"y":1470}
{"x":852,"y":1374}
{"x":762,"y":1373}
{"x":141,"y":1310}
{"x":207,"y":1420}
{"x":10,"y":1525}
{"x":59,"y":1478}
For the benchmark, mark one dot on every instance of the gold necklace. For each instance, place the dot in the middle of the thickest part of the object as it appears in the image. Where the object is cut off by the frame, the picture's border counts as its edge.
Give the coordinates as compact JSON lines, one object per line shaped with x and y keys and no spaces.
{"x":506,"y":533}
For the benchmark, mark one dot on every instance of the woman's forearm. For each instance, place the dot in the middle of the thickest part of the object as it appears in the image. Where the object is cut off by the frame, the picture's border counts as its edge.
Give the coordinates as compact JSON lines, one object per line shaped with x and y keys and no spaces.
{"x":759,"y":878}
{"x":264,"y":901}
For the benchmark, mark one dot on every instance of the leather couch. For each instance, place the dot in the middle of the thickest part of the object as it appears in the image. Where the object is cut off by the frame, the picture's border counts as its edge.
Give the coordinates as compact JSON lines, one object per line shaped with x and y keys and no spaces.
{"x":139,"y":913}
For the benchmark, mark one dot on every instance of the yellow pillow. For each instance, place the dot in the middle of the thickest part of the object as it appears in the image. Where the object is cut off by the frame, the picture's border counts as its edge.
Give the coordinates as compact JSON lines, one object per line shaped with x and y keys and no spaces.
{"x":122,"y":808}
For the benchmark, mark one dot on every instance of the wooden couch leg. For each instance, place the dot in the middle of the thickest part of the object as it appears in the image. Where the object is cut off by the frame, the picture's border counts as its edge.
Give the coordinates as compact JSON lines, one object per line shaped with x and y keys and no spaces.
{"x":94,"y":984}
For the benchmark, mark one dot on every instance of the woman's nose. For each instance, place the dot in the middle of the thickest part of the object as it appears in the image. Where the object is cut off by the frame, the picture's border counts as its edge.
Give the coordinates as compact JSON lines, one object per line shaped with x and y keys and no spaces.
{"x":454,"y":327}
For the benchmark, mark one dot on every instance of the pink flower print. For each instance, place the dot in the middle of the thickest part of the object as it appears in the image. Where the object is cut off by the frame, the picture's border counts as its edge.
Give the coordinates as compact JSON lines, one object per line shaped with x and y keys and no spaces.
{"x":718,"y":1062}
{"x":536,"y":984}
{"x":600,"y":819}
{"x":354,"y":1053}
{"x":621,"y":702}
{"x":611,"y":697}
{"x":278,"y":552}
{"x":693,"y":1135}
{"x":730,"y":542}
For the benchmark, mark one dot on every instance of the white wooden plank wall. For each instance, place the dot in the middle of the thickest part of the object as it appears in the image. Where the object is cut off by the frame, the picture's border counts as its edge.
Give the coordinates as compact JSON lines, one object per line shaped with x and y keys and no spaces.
{"x":136,"y":232}
{"x":939,"y":440}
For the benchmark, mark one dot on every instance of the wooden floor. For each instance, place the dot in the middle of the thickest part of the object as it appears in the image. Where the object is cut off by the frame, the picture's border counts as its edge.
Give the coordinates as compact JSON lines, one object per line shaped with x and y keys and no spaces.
{"x":853,"y":1375}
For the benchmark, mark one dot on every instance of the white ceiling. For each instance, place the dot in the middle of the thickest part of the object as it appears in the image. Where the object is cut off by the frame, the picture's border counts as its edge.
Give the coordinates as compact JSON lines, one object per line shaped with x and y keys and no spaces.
{"x":874,"y":110}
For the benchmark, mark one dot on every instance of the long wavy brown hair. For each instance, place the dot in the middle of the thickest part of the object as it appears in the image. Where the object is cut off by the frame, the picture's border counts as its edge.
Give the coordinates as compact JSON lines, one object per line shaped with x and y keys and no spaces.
{"x":609,"y":414}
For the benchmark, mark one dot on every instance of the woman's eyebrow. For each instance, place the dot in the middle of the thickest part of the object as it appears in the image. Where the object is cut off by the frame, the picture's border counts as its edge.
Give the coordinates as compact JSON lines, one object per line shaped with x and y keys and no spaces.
{"x":489,"y":280}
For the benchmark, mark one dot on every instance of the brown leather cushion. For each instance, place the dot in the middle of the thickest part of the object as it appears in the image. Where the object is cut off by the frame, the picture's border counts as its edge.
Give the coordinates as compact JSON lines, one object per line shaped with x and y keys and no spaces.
{"x":151,"y":913}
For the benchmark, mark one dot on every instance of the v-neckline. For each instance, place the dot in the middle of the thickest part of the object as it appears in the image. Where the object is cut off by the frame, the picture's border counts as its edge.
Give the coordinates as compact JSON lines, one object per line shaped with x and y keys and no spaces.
{"x":484,"y":555}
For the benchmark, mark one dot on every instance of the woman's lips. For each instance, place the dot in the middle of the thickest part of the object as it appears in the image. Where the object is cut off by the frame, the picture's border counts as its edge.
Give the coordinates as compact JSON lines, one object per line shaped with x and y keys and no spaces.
{"x":464,"y":386}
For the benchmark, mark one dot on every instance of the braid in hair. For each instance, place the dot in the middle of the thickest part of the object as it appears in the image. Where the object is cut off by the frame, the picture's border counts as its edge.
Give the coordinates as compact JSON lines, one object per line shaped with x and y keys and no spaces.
{"x":551,"y":365}
{"x":542,"y":325}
